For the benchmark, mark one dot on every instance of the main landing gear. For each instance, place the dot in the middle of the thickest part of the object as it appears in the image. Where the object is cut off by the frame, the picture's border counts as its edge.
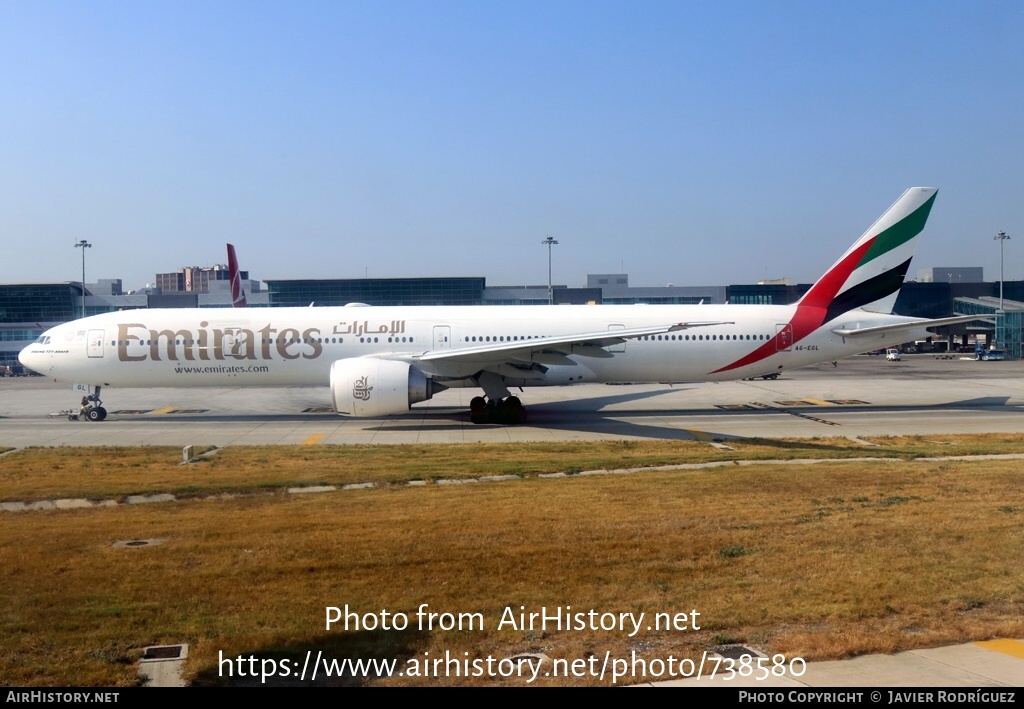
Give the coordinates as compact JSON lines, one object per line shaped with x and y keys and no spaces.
{"x":507,"y":411}
{"x":500,"y":406}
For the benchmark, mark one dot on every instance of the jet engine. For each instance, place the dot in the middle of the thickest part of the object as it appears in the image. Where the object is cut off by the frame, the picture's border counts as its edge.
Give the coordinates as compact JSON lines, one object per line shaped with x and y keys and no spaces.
{"x":378,"y":387}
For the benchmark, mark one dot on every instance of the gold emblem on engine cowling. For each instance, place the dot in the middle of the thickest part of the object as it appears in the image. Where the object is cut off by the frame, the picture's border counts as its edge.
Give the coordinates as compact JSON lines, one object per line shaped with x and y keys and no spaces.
{"x":360,"y":390}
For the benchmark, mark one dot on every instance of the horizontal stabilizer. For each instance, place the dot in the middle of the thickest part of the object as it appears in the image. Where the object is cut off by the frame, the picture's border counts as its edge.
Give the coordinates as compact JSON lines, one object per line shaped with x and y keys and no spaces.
{"x":904,"y":326}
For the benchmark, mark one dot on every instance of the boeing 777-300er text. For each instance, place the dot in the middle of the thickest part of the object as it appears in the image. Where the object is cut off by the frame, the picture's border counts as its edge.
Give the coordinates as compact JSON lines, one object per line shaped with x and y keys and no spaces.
{"x":381,"y":360}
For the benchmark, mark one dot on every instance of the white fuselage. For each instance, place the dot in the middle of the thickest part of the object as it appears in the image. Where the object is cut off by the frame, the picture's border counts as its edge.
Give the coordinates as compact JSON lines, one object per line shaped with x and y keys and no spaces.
{"x":297,"y":346}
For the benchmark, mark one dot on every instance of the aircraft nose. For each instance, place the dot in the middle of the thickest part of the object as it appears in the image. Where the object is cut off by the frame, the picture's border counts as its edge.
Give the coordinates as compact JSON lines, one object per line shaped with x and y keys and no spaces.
{"x":32,"y":360}
{"x":26,"y":357}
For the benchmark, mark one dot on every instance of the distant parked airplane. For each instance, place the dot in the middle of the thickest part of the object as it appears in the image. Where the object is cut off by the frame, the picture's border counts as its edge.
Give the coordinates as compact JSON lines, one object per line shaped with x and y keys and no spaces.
{"x":237,"y":292}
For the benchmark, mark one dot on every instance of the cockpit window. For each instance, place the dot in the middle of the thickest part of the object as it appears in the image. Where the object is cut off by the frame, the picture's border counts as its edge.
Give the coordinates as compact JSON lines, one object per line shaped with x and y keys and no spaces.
{"x":42,"y":340}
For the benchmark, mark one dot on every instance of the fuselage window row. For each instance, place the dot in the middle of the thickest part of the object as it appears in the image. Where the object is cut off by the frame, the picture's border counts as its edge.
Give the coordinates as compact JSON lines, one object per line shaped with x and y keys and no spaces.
{"x":499,"y":338}
{"x":703,"y":338}
{"x":474,"y":338}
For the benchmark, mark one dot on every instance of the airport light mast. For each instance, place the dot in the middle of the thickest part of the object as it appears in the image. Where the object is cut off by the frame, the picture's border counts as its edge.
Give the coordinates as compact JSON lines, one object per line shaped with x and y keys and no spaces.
{"x":1001,"y":237}
{"x":83,"y":244}
{"x":551,"y":293}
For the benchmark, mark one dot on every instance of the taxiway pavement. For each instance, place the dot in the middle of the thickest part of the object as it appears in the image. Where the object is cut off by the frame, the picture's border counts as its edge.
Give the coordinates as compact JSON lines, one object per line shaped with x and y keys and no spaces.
{"x":862,"y":396}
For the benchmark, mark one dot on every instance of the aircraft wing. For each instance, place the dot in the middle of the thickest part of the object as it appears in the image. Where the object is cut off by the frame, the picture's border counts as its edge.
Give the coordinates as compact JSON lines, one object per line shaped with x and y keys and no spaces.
{"x":587,"y":344}
{"x":906,"y":325}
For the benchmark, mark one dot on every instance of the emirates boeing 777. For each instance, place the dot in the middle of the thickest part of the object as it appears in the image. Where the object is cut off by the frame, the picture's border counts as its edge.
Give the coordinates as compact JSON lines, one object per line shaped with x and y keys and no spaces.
{"x":381,"y":360}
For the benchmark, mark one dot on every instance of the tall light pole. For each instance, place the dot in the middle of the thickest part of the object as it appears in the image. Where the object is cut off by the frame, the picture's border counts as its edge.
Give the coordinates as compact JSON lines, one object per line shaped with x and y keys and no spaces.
{"x":83,"y":245}
{"x":1001,"y":237}
{"x":551,"y":293}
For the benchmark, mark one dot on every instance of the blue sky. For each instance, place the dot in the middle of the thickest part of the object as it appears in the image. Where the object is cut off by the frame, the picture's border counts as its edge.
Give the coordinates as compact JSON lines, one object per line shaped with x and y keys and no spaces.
{"x":690,"y":143}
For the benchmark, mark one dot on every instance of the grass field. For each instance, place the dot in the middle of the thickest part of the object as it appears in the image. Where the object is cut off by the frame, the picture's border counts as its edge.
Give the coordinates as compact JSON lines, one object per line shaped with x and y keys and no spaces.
{"x":818,"y":561}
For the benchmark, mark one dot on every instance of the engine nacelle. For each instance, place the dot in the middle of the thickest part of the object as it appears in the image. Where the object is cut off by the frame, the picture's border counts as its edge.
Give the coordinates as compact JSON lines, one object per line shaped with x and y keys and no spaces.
{"x":377,"y":387}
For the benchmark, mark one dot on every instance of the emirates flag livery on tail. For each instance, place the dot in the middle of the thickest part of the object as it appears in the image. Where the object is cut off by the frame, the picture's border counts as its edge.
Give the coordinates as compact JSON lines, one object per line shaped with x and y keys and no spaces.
{"x":378,"y":361}
{"x":867,"y":277}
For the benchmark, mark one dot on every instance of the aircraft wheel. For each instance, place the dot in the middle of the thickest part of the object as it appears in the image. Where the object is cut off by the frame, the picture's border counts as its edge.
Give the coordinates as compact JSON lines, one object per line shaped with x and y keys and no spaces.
{"x":516,"y":416}
{"x":515,"y":412}
{"x":478,"y":411}
{"x":505,"y":412}
{"x":103,"y":413}
{"x":94,"y":415}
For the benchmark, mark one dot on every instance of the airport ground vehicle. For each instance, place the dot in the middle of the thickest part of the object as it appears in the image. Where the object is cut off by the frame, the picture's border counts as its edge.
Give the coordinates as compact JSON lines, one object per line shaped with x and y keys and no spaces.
{"x":893,"y":354}
{"x":990,"y":355}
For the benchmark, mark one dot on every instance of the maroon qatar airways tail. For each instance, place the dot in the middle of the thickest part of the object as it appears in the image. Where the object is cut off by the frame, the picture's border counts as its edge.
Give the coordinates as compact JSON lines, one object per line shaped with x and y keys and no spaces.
{"x":237,"y":293}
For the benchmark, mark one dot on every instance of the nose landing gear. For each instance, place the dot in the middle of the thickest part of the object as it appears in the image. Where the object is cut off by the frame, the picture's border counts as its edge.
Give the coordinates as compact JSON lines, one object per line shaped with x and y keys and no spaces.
{"x":91,"y":408}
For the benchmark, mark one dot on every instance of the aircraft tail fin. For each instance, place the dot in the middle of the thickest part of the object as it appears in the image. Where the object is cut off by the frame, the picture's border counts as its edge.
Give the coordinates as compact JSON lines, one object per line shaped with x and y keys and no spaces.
{"x":870,"y":274}
{"x":237,"y":292}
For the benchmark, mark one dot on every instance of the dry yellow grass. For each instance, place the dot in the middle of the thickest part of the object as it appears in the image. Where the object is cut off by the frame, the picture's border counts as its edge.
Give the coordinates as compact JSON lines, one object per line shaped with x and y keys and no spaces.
{"x":817,"y":561}
{"x":105,"y":473}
